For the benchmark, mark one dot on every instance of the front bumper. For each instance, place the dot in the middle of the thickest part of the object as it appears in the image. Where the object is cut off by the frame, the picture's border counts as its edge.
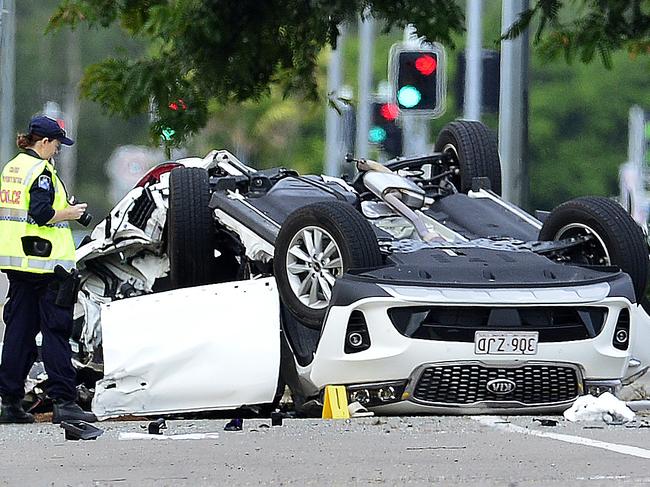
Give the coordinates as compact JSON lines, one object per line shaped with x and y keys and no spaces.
{"x":392,"y":356}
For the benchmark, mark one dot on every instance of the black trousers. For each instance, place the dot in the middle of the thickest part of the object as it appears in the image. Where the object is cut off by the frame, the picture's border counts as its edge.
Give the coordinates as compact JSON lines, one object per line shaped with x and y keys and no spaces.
{"x":31,"y":308}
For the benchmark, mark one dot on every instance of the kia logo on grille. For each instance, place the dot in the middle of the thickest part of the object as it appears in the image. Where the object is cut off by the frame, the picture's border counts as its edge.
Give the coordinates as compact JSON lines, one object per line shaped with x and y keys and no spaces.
{"x":501,"y":386}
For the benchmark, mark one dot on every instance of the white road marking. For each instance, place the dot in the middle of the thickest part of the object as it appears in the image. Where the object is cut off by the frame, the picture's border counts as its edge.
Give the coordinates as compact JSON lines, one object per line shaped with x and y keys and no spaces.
{"x":499,"y":423}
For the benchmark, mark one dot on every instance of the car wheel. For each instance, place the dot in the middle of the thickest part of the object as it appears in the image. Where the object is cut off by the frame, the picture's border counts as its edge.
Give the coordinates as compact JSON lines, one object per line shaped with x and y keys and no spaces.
{"x":190,"y":234}
{"x":472,"y":148}
{"x":616,"y":237}
{"x":317,"y":244}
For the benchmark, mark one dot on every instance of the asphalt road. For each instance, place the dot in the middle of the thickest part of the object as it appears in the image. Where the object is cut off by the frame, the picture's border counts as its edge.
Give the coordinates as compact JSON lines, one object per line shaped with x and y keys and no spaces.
{"x":512,"y":451}
{"x":508,"y":451}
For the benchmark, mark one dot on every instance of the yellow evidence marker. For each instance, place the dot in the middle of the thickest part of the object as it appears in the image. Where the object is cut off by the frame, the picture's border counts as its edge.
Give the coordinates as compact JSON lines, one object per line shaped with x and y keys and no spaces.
{"x":335,"y":403}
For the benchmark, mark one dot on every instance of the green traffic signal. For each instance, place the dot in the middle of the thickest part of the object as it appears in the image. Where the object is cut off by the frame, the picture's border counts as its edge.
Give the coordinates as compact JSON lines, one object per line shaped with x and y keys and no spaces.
{"x":377,"y":134}
{"x":167,"y":133}
{"x":409,"y":96}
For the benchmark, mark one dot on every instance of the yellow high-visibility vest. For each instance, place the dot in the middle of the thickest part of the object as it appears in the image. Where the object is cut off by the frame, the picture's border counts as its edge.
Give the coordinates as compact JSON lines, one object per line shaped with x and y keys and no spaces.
{"x":15,"y":223}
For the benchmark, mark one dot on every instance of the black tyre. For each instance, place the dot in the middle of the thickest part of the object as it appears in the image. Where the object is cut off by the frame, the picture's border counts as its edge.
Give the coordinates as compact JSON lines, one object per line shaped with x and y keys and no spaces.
{"x":616,"y":238}
{"x":190,"y":232}
{"x":317,"y":244}
{"x":473,"y":149}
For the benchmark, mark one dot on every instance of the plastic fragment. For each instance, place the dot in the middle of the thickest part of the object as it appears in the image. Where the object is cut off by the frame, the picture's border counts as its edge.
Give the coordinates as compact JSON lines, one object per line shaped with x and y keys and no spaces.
{"x":606,"y":408}
{"x":546,"y":422}
{"x":235,"y":424}
{"x":80,"y":430}
{"x":276,"y":419}
{"x":155,"y":427}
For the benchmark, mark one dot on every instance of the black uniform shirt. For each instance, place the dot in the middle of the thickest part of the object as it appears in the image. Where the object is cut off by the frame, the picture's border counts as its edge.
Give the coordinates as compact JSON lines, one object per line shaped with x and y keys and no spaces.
{"x":41,"y":195}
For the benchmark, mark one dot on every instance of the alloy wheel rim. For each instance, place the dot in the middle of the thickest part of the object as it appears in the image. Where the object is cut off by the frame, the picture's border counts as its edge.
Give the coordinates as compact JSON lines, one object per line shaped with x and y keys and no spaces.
{"x":313,"y":263}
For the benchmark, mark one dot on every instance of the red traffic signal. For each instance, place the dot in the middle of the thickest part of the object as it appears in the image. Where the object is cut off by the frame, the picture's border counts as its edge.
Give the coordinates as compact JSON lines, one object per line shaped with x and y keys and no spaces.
{"x":178,"y":105}
{"x":389,"y":111}
{"x":426,"y":64}
{"x":384,"y":130}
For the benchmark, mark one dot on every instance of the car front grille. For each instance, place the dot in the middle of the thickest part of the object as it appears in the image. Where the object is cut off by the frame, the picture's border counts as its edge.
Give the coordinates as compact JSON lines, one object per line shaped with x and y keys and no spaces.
{"x":460,"y":323}
{"x":467,"y":384}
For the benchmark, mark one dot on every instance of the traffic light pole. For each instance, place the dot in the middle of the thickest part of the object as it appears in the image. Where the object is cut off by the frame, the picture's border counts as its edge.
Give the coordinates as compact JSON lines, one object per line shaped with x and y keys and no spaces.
{"x":7,"y":79}
{"x":513,"y":107}
{"x":366,"y":51}
{"x":333,"y":152}
{"x":474,"y":63}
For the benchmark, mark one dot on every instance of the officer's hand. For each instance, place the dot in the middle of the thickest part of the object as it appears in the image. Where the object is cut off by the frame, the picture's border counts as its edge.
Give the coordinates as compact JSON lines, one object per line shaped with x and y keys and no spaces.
{"x":72,"y":212}
{"x":75,"y":211}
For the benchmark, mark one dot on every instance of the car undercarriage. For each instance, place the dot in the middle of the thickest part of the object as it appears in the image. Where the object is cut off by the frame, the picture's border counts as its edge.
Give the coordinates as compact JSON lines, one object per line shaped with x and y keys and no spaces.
{"x":415,"y":285}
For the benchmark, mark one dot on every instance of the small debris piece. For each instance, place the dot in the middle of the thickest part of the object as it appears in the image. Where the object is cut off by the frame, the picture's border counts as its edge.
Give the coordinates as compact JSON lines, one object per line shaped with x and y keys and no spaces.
{"x":276,"y":419}
{"x":639,"y":405}
{"x":80,"y":430}
{"x":235,"y":424}
{"x":155,"y":427}
{"x":546,"y":422}
{"x":264,"y":426}
{"x":606,"y":408}
{"x":356,"y":410}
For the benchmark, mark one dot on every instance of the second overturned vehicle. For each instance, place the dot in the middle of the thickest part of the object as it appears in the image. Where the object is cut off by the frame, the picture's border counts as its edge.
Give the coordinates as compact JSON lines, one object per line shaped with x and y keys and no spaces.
{"x":415,"y":285}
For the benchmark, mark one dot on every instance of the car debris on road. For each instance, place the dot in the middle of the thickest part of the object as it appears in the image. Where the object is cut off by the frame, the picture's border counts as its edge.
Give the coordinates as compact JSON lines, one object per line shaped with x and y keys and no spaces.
{"x":605,"y":407}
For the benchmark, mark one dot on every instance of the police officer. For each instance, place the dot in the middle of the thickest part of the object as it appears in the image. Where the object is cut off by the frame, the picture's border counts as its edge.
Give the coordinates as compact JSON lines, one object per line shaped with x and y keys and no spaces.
{"x":35,"y":239}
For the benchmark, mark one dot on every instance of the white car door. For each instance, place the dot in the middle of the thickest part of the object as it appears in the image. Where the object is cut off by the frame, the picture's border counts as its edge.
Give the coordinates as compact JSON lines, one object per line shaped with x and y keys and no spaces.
{"x":194,"y":349}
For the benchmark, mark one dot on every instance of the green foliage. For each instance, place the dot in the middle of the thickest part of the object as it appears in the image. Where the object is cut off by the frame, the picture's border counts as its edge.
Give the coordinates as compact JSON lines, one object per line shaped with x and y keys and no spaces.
{"x":229,"y":50}
{"x":42,"y":75}
{"x":597,"y":27}
{"x":255,"y":76}
{"x":578,"y":126}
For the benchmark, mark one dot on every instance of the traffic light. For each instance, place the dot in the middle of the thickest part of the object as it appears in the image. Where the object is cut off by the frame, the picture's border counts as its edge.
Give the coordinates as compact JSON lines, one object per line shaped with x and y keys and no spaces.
{"x":166,"y":132}
{"x":418,"y":79}
{"x":491,"y":65}
{"x":384,"y":130}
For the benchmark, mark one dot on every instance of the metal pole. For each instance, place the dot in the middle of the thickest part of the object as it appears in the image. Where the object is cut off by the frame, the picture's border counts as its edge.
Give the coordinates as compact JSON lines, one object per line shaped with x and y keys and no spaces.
{"x":72,"y":107}
{"x":513,"y":106}
{"x":332,"y":117}
{"x":366,"y":51}
{"x":636,"y":137}
{"x":474,"y":66}
{"x":8,"y":80}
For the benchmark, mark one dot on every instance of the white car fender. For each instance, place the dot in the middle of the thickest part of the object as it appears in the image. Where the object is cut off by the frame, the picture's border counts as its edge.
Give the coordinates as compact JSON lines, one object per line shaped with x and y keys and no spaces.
{"x":639,"y":341}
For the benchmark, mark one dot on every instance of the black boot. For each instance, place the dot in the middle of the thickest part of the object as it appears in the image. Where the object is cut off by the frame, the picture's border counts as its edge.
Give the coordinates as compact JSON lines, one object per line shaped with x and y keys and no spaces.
{"x":70,"y":411}
{"x":13,"y":412}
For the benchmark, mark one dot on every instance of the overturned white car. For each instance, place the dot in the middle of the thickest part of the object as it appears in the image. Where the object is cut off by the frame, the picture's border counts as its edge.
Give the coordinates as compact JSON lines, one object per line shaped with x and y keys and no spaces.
{"x":416,"y":286}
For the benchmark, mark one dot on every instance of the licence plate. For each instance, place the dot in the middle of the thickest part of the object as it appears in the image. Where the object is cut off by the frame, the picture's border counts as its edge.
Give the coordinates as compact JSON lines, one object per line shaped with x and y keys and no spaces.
{"x":505,"y":342}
